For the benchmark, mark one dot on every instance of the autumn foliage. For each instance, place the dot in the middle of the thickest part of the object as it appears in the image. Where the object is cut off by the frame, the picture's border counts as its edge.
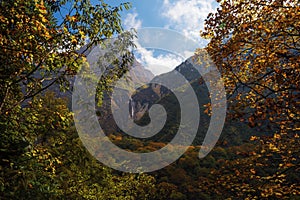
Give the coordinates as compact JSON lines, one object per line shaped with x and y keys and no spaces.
{"x":254,"y":43}
{"x":256,"y":46}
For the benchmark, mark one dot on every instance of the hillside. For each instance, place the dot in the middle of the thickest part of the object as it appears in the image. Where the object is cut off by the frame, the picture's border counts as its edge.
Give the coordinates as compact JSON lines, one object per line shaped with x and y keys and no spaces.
{"x":147,"y":95}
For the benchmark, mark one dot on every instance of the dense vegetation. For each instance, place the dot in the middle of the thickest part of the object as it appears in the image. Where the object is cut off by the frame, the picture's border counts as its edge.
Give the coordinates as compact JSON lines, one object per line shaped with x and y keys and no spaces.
{"x":254,"y":43}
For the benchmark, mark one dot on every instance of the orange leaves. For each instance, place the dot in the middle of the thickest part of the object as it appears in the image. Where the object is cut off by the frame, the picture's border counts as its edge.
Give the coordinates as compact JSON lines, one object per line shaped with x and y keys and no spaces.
{"x":71,"y":18}
{"x":286,"y":165}
{"x":262,"y":55}
{"x":3,"y":19}
{"x":253,"y":138}
{"x":41,"y":7}
{"x":267,"y":30}
{"x":208,"y":109}
{"x":260,"y":65}
{"x":244,"y":25}
{"x":251,"y":121}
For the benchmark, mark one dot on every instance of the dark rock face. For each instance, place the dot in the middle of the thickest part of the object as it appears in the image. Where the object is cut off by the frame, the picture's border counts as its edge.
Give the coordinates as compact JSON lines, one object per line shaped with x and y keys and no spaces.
{"x":137,"y":75}
{"x":152,"y":93}
{"x":147,"y":94}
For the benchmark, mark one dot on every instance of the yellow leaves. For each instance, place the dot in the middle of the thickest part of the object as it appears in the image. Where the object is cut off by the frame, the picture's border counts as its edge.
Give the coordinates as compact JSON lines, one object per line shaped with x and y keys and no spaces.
{"x":63,"y":118}
{"x":31,"y":37}
{"x":65,"y":30}
{"x":58,"y":161}
{"x":68,"y":18}
{"x":41,"y":7}
{"x":73,"y":39}
{"x":278,"y":194}
{"x":262,"y":60}
{"x":253,"y":171}
{"x":253,"y":138}
{"x":286,"y":165}
{"x":47,"y":35}
{"x":71,"y":18}
{"x":43,"y":18}
{"x":267,"y":30}
{"x":277,"y":136}
{"x":39,"y":26}
{"x":3,"y":19}
{"x":253,"y":67}
{"x":81,"y":33}
{"x":273,"y":148}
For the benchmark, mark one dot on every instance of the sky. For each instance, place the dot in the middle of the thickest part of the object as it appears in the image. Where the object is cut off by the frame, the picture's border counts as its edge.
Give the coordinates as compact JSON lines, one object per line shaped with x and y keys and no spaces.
{"x":184,"y":16}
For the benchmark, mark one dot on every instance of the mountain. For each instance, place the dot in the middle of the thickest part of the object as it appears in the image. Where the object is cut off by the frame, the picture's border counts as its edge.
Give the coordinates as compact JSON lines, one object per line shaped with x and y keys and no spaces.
{"x":158,"y":94}
{"x":140,"y":74}
{"x":135,"y":77}
{"x":145,"y":96}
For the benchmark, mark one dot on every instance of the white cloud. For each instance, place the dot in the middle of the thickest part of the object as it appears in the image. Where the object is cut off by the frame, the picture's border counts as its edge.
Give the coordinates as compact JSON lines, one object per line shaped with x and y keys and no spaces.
{"x":162,"y":63}
{"x":157,"y":64}
{"x":132,"y":21}
{"x":187,"y":16}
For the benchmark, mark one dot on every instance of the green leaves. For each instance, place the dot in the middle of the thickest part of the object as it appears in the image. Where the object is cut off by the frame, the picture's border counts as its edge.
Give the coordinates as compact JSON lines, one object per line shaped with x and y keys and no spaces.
{"x":41,"y":156}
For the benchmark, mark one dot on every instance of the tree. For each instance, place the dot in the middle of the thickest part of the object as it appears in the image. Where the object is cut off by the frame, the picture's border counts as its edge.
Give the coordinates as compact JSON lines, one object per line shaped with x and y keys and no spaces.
{"x":39,"y":147}
{"x":256,"y":46}
{"x":38,"y":50}
{"x":55,"y":164}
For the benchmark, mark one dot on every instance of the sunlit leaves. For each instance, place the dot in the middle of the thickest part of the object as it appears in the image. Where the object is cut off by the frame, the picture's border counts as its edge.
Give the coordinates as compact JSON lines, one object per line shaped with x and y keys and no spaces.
{"x":39,"y":49}
{"x":257,"y":48}
{"x":255,"y":45}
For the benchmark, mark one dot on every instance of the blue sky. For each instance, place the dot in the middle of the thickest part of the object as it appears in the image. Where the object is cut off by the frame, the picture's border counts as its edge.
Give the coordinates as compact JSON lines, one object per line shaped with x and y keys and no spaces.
{"x":184,"y":16}
{"x":147,"y":10}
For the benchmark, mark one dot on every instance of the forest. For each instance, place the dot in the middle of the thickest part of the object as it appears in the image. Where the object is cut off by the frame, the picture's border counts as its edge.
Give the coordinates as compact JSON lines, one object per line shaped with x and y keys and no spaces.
{"x":255,"y":44}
